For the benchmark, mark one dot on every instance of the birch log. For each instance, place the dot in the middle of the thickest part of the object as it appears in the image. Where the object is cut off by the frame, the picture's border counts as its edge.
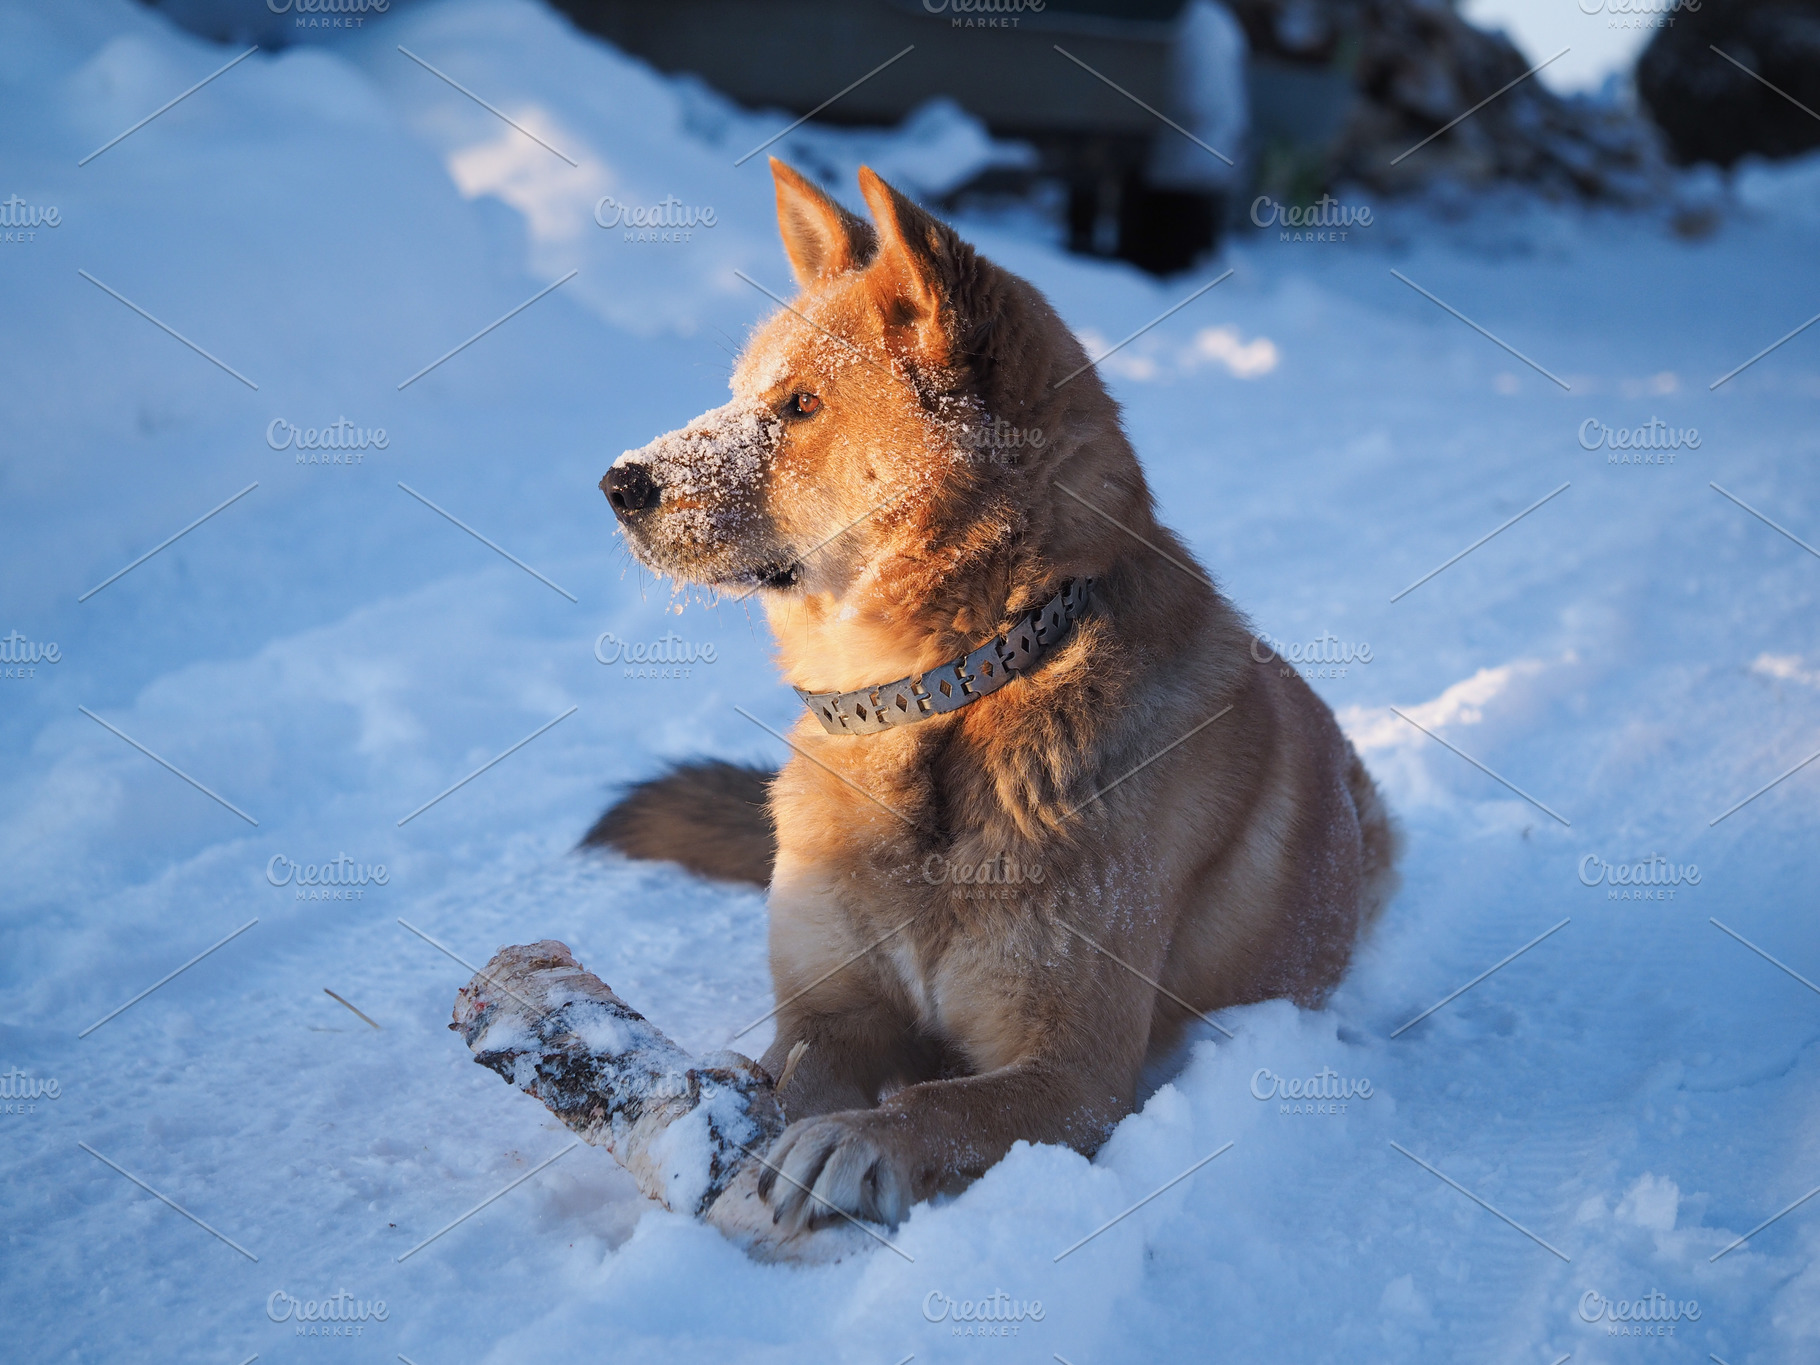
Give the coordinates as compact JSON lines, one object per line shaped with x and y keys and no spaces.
{"x":690,"y":1130}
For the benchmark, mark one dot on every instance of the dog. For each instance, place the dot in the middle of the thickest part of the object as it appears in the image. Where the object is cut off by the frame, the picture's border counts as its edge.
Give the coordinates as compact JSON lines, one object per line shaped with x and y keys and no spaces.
{"x":1082,"y":816}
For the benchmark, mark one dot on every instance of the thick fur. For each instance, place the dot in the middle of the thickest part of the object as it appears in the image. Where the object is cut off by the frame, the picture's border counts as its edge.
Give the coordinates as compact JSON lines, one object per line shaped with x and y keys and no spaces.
{"x":711,"y":817}
{"x":1229,"y":862}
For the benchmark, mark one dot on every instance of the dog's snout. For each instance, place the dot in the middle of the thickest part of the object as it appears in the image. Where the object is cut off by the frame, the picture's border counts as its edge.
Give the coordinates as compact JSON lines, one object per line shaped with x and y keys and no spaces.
{"x":631,"y":489}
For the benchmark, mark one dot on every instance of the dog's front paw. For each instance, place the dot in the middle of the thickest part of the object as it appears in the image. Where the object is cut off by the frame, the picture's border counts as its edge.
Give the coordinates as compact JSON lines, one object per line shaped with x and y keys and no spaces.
{"x":845,"y":1163}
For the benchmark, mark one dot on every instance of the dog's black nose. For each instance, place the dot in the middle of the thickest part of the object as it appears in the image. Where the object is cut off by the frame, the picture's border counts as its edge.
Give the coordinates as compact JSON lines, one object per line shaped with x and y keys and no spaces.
{"x":631,"y":489}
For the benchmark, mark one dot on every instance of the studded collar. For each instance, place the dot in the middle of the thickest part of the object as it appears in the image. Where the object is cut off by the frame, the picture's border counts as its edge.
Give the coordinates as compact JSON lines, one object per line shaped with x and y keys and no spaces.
{"x":959,"y":682}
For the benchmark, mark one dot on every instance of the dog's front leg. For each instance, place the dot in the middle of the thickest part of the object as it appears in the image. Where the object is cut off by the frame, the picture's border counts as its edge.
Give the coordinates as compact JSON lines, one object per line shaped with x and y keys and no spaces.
{"x":846,"y":1057}
{"x":846,"y":1030}
{"x":876,"y":1163}
{"x":1072,"y":1028}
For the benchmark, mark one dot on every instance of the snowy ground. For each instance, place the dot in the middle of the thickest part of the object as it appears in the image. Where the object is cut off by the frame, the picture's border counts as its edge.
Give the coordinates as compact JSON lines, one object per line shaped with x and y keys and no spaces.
{"x":1638,"y":654}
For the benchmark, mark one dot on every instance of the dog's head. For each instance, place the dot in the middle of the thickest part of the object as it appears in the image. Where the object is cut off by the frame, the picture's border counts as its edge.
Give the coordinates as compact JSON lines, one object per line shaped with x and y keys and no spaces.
{"x":851,"y":447}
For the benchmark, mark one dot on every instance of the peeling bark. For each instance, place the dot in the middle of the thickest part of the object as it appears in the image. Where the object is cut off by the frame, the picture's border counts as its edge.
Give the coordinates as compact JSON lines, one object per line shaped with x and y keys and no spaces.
{"x":688,"y":1129}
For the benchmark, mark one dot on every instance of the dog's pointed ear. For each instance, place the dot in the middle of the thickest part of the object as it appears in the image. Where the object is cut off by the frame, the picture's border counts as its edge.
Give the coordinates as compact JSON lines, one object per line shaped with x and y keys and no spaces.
{"x":915,"y":273}
{"x":821,"y":238}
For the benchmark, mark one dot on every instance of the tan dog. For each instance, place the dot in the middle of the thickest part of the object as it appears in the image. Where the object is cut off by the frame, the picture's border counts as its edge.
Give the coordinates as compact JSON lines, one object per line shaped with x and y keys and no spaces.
{"x":1164,"y":859}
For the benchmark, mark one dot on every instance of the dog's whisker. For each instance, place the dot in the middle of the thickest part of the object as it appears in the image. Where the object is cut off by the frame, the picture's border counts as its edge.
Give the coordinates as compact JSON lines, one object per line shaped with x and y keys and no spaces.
{"x":829,"y":540}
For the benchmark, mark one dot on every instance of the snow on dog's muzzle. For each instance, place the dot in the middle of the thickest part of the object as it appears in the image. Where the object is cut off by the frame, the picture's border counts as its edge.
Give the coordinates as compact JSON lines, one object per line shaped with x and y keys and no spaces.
{"x":689,"y":501}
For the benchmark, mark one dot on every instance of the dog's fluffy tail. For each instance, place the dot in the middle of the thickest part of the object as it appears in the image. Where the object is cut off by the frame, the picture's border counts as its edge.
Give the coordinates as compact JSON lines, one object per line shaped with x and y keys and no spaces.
{"x":711,"y":817}
{"x":1381,"y":838}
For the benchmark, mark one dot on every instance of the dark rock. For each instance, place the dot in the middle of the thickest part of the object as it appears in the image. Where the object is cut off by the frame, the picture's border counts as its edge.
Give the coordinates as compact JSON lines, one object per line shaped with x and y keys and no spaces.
{"x":1712,"y":111}
{"x":1415,"y":66}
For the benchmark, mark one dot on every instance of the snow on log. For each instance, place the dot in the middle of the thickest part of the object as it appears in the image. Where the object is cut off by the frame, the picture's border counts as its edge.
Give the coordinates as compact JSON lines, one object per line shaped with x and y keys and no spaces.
{"x":690,"y":1130}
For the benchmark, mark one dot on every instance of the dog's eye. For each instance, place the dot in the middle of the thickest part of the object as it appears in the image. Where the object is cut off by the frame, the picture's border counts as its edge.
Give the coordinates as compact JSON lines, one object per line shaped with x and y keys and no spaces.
{"x":803,"y":404}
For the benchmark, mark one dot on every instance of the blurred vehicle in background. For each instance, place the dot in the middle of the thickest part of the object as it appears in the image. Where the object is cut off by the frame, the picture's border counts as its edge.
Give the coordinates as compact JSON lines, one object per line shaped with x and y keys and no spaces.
{"x":1152,"y":124}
